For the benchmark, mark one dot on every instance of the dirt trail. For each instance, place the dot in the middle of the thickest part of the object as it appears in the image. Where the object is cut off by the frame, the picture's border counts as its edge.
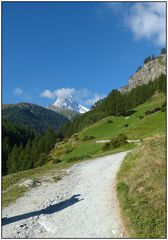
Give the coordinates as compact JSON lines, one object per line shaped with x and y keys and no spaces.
{"x":82,"y":205}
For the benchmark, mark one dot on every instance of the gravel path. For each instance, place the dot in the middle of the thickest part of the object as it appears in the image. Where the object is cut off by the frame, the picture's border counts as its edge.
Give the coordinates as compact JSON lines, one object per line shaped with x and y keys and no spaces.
{"x":82,"y":205}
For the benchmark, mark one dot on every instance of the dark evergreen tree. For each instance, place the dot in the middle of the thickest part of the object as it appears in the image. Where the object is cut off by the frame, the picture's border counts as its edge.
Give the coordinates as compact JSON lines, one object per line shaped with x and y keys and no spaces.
{"x":163,"y":51}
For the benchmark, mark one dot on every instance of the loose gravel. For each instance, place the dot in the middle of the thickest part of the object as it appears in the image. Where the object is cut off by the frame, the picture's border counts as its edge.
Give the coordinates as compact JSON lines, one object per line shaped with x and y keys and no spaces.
{"x":81,"y":205}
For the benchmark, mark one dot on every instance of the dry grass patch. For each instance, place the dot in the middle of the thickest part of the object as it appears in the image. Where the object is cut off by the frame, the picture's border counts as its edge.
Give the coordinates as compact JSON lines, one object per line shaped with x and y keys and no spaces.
{"x":142,"y":189}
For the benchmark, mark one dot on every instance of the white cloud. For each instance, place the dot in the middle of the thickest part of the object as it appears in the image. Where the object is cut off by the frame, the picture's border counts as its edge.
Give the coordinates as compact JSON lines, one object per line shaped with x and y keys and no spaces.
{"x":82,"y":96}
{"x":148,"y":20}
{"x":63,"y":93}
{"x":18,"y":91}
{"x":47,"y":94}
{"x":96,"y":97}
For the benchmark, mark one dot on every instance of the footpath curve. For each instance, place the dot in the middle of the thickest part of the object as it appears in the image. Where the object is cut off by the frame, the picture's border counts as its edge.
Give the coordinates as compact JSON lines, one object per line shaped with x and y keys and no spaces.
{"x":81,"y":205}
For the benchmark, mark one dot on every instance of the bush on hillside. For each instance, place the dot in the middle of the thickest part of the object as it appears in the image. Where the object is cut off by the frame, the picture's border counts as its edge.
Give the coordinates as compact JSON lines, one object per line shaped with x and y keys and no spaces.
{"x":76,"y":158}
{"x":120,"y":140}
{"x":76,"y":136}
{"x":163,"y":107}
{"x":152,"y":111}
{"x":86,"y":138}
{"x":109,"y":121}
{"x":148,"y":59}
{"x":56,"y":160}
{"x":141,"y":117}
{"x":106,"y":146}
{"x":69,"y":149}
{"x":163,"y":51}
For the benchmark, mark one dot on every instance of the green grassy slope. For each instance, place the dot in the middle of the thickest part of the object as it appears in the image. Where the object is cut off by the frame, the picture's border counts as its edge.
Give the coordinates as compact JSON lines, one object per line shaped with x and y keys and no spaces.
{"x":142,"y":192}
{"x":136,"y":128}
{"x":76,"y":149}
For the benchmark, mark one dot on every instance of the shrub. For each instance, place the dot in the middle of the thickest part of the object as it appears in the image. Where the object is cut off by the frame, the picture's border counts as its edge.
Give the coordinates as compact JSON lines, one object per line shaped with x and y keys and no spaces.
{"x":86,"y":138}
{"x":163,"y":107}
{"x":66,"y":140}
{"x":56,"y":178}
{"x":121,"y":139}
{"x":126,"y":125}
{"x":106,"y":146}
{"x":139,"y":68}
{"x":148,"y":59}
{"x":56,"y":160}
{"x":141,"y":117}
{"x":76,"y":136}
{"x":152,"y":111}
{"x":76,"y":158}
{"x":109,"y":121}
{"x":163,"y":51}
{"x":69,"y":149}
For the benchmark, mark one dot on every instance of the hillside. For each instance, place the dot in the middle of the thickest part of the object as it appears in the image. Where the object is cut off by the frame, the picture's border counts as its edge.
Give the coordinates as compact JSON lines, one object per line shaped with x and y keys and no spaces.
{"x":83,"y":145}
{"x":141,"y":123}
{"x":142,"y":192}
{"x":116,"y":104}
{"x":136,"y":125}
{"x":33,"y":116}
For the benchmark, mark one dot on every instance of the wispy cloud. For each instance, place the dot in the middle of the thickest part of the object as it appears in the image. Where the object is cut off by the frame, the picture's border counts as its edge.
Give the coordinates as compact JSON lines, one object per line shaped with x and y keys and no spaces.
{"x":146,"y":20}
{"x":18,"y":91}
{"x":83,"y":96}
{"x":63,"y":93}
{"x":47,"y":94}
{"x":94,"y":99}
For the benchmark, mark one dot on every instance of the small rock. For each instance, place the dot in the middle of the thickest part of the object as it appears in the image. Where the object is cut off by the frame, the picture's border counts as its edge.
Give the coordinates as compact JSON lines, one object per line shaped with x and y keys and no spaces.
{"x":27,"y":183}
{"x":36,"y":217}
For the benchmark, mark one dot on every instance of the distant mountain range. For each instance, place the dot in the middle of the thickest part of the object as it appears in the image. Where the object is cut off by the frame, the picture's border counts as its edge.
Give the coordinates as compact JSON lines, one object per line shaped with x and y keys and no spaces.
{"x":33,"y":116}
{"x":68,"y":107}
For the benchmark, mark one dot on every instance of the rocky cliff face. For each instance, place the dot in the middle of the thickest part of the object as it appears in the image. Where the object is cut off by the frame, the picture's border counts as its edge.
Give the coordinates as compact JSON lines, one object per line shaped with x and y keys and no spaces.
{"x":149,"y":71}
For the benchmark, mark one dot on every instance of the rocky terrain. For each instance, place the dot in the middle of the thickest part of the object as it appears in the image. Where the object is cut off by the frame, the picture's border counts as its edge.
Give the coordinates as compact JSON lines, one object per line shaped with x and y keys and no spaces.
{"x":149,"y":71}
{"x":68,"y":107}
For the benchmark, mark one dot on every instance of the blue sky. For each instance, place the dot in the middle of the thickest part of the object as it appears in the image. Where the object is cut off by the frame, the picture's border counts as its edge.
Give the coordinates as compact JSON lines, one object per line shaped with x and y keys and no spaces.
{"x":53,"y":49}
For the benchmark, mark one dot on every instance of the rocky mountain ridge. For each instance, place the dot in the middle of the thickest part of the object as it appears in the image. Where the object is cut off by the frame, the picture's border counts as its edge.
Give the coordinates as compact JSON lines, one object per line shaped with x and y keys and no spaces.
{"x":68,"y":107}
{"x":150,"y":70}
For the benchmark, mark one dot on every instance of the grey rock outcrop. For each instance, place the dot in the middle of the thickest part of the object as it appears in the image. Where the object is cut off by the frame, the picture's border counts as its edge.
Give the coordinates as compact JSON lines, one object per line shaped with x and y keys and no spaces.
{"x":149,"y":71}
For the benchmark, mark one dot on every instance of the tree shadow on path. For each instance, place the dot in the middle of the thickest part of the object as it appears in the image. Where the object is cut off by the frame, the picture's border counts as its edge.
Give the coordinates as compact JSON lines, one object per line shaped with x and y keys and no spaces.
{"x":49,"y":210}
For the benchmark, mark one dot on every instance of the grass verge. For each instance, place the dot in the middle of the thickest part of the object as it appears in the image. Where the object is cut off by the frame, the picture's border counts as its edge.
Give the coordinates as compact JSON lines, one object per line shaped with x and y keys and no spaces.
{"x":12,"y":194}
{"x":141,"y":190}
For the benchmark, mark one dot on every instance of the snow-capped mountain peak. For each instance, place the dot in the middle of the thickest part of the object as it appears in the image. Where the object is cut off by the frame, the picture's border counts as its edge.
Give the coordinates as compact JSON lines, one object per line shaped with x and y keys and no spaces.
{"x":82,"y":109}
{"x":70,"y":104}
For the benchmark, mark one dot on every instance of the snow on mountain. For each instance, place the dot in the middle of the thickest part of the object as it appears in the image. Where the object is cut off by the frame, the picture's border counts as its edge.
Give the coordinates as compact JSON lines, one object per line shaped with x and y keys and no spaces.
{"x":82,"y":109}
{"x":70,"y":104}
